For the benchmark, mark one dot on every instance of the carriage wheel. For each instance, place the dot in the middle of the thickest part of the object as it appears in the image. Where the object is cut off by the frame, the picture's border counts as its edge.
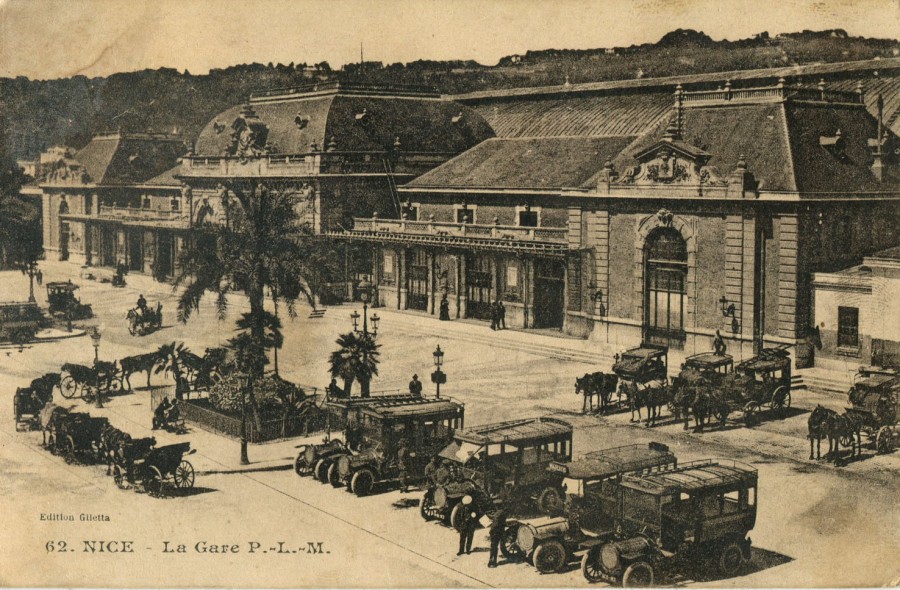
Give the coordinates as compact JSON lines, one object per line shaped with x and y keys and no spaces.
{"x":119,"y":478}
{"x":884,"y":440}
{"x":781,"y":399}
{"x":68,"y":387}
{"x":750,"y":413}
{"x":846,"y":440}
{"x":153,"y":481}
{"x":115,"y":384}
{"x":184,"y":475}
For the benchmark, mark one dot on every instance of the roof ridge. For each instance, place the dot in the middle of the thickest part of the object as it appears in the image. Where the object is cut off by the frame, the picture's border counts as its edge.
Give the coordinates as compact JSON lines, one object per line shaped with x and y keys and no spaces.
{"x":782,"y":109}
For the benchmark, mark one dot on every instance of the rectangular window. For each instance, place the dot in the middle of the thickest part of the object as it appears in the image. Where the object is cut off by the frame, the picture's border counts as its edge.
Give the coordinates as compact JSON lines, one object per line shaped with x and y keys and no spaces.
{"x":388,"y":268}
{"x":528,"y":218}
{"x":412,"y":213}
{"x":176,"y":205}
{"x":146,"y":202}
{"x":848,"y":326}
{"x":465,"y":216}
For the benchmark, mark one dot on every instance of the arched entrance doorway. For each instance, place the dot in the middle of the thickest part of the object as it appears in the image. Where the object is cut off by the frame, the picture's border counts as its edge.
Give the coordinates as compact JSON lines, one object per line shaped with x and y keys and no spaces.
{"x":665,"y":287}
{"x":63,"y":231}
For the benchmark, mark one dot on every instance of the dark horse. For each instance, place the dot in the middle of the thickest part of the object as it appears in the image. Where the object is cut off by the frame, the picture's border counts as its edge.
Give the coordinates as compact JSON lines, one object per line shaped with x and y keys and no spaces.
{"x":602,"y":385}
{"x":841,"y":430}
{"x":652,"y":395}
{"x":139,"y":363}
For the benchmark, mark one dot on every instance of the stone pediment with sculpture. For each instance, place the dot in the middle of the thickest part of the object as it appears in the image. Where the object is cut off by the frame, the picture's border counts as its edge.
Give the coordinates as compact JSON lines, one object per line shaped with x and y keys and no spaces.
{"x":670,"y":161}
{"x":67,"y":171}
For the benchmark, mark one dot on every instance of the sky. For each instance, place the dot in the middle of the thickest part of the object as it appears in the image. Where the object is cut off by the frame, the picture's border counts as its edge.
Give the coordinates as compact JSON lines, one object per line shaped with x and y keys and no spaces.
{"x":47,"y":39}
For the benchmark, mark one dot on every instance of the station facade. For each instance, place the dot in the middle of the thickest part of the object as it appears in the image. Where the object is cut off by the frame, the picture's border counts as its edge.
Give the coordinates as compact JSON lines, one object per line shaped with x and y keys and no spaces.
{"x":650,"y":219}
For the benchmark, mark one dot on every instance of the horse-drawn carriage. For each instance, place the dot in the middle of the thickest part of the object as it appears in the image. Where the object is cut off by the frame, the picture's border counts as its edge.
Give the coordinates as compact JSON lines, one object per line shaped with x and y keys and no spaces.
{"x":875,"y":399}
{"x":698,"y":386}
{"x":763,"y":381}
{"x":64,"y":304}
{"x":29,"y":401}
{"x":75,"y":435}
{"x":86,"y":381}
{"x":643,"y":377}
{"x":144,"y":320}
{"x":141,"y":465}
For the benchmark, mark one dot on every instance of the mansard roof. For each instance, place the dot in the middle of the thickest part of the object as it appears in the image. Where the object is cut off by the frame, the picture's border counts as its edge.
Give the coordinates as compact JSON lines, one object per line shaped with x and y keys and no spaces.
{"x":542,"y":163}
{"x":350,"y":119}
{"x":117,"y":159}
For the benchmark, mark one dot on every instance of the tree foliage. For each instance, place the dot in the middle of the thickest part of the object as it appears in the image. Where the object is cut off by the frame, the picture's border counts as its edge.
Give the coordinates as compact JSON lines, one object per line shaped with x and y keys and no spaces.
{"x":355,"y":360}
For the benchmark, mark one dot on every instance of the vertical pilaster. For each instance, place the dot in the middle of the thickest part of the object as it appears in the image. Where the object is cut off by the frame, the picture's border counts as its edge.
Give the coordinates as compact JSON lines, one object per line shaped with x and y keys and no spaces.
{"x":401,"y":278}
{"x":734,"y":269}
{"x":529,"y":293}
{"x":598,"y":234}
{"x":787,"y":275}
{"x":461,"y":286}
{"x":430,"y":288}
{"x":746,"y":309}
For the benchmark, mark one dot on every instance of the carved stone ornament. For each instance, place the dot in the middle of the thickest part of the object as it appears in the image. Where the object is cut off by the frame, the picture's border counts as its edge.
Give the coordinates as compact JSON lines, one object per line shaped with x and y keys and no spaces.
{"x":672,"y":162}
{"x":248,"y":135}
{"x":665,"y":217}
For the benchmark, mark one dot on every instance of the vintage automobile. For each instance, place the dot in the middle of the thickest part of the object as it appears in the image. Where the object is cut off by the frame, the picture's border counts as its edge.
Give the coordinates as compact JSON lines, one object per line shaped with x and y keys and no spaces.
{"x":696,"y":514}
{"x":592,"y":496}
{"x":317,"y":459}
{"x":64,"y":304}
{"x":875,"y":399}
{"x":423,"y":426}
{"x":19,"y":322}
{"x":502,"y":463}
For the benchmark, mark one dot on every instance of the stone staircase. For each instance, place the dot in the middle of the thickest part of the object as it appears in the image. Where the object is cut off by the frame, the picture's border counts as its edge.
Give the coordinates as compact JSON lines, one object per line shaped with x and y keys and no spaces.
{"x":830,"y":383}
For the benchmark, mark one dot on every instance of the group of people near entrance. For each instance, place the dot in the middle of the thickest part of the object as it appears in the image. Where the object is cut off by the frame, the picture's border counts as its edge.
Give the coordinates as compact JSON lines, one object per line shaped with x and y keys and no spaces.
{"x":498,"y":315}
{"x":438,"y":473}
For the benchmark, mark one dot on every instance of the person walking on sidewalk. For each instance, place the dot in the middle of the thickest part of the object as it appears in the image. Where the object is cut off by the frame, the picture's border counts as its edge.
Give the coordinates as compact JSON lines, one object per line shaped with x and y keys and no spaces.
{"x":495,"y":316}
{"x":445,"y":308}
{"x":501,"y":313}
{"x":468,"y":520}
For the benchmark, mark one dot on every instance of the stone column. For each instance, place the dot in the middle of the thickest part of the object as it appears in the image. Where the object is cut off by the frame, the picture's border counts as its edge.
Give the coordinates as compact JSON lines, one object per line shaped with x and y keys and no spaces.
{"x":461,"y":286}
{"x":431,"y":294}
{"x":402,"y":253}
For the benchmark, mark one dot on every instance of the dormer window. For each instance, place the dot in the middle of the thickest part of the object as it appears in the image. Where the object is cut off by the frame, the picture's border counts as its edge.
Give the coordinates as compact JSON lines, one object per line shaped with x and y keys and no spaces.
{"x":301,"y":121}
{"x":146,"y":202}
{"x":834,"y":144}
{"x":465,"y":214}
{"x":176,"y":204}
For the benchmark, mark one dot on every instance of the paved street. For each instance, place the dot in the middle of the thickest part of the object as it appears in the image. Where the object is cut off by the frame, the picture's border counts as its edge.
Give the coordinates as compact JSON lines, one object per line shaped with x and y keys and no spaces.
{"x":817,"y":524}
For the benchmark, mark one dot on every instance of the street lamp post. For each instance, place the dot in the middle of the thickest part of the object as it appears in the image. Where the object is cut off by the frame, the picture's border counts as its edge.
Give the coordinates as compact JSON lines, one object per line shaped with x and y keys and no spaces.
{"x":245,"y":460}
{"x":438,"y":377}
{"x":95,"y":339}
{"x":365,"y":293}
{"x":32,"y":270}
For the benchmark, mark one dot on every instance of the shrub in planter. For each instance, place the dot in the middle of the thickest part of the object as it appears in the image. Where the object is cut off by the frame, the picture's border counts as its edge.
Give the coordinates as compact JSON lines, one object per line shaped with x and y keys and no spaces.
{"x":275,"y":397}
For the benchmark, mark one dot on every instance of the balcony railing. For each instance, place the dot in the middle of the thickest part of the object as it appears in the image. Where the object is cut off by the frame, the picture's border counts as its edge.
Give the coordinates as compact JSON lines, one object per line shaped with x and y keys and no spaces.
{"x":314,"y":164}
{"x":138,"y":214}
{"x":774,"y":93}
{"x":556,"y":235}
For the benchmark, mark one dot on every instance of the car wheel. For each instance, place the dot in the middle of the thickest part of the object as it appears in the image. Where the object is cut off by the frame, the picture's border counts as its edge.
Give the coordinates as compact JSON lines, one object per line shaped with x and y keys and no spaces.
{"x":550,"y":501}
{"x":591,"y":567}
{"x":731,"y":559}
{"x":334,"y":478}
{"x":638,"y":575}
{"x":549,"y":557}
{"x":362,"y":482}
{"x":321,"y":470}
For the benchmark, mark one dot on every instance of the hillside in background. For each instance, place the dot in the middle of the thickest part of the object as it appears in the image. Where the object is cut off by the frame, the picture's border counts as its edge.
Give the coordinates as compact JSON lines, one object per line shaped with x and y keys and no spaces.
{"x":38,"y":114}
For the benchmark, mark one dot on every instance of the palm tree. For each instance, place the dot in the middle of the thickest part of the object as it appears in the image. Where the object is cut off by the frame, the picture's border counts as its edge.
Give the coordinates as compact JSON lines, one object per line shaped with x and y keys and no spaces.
{"x":169,"y":356}
{"x":355,"y":360}
{"x":264,"y":244}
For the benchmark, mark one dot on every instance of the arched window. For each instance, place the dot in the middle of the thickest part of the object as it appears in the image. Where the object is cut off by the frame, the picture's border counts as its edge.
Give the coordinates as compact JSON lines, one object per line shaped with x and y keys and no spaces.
{"x":665,"y":289}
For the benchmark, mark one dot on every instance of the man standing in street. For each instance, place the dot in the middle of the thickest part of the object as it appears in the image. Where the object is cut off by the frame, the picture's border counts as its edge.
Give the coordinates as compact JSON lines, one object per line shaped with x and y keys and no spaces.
{"x":415,"y":386}
{"x":468,"y":520}
{"x":496,"y":532}
{"x":402,"y":460}
{"x":501,"y":313}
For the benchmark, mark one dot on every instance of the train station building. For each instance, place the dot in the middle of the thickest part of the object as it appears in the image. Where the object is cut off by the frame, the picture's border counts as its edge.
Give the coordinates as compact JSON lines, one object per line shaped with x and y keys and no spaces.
{"x":632,"y":214}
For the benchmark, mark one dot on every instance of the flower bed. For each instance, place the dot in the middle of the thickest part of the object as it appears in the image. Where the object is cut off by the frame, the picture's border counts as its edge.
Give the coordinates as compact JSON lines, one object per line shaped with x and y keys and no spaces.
{"x":202,"y":413}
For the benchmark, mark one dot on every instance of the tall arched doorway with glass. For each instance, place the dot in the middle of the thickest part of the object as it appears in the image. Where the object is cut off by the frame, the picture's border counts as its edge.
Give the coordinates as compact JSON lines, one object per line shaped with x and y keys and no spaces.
{"x":665,"y":287}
